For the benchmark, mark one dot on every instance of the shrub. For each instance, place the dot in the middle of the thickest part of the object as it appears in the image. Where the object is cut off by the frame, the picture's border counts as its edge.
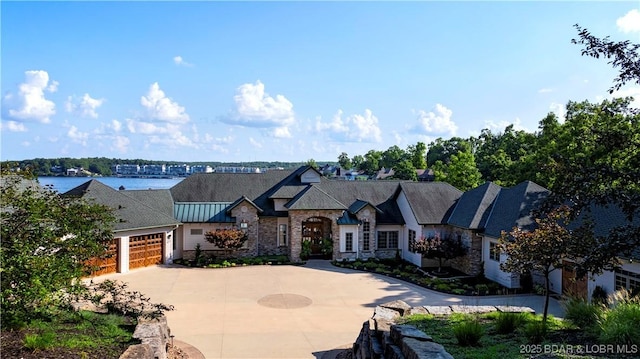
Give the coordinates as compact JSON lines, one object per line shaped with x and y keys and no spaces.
{"x":443,"y":287}
{"x":458,"y":291}
{"x":619,"y":325}
{"x":506,"y":323}
{"x":535,"y":331}
{"x":468,"y":333}
{"x":482,"y":288}
{"x":599,"y":295}
{"x":581,"y":313}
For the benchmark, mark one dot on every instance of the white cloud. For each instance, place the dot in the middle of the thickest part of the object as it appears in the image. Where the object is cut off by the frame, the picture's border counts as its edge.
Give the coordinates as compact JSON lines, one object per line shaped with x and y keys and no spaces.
{"x":632,"y":91}
{"x":498,"y":127}
{"x":30,"y":102}
{"x":559,"y":109}
{"x":255,"y":143}
{"x":629,"y":22}
{"x":116,"y":125}
{"x":162,"y":108}
{"x":85,"y":107}
{"x":545,"y":90}
{"x":255,"y":108}
{"x":120,"y":144}
{"x":437,"y":122}
{"x":13,"y":126}
{"x":358,"y":128}
{"x":150,"y":128}
{"x":77,"y":136}
{"x":178,"y":60}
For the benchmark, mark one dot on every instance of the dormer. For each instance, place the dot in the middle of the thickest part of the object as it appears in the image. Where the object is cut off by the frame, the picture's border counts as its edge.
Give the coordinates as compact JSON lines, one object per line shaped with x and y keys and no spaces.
{"x":310,"y":175}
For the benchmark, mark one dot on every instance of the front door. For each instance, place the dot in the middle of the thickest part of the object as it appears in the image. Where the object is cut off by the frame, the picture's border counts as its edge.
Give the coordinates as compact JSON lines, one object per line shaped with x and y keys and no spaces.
{"x":314,"y":234}
{"x":571,"y":286}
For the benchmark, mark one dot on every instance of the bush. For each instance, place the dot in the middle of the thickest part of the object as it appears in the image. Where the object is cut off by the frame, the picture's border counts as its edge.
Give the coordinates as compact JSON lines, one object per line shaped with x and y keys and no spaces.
{"x":599,"y":295}
{"x":482,"y":288}
{"x":443,"y":287}
{"x":506,"y":323}
{"x":535,"y":332}
{"x":581,"y":313}
{"x":620,"y":325}
{"x":468,"y":333}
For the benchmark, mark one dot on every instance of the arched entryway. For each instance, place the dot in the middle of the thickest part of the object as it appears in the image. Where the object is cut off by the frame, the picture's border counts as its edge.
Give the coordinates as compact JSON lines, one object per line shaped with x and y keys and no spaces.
{"x":317,"y":238}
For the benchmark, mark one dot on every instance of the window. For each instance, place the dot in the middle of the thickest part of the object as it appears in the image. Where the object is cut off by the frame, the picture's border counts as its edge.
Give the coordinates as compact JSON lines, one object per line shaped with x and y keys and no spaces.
{"x":628,"y":280}
{"x":388,"y":240}
{"x":366,"y":233}
{"x":282,"y":235}
{"x":196,"y":231}
{"x":494,"y":251}
{"x":348,"y":242}
{"x":412,"y":241}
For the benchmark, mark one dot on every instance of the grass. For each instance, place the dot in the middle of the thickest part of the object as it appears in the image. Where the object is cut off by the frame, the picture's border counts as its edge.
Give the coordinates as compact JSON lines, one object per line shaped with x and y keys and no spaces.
{"x":79,"y":330}
{"x":494,"y":341}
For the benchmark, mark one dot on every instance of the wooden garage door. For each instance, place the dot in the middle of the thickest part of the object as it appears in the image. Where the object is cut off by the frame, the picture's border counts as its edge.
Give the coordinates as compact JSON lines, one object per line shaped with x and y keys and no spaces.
{"x":109,"y":263}
{"x":145,"y":250}
{"x":571,"y":286}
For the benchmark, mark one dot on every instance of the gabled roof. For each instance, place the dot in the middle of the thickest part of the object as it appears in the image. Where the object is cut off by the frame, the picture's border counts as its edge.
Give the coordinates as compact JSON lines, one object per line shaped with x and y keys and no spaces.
{"x":359,"y":204}
{"x":314,"y":198}
{"x":243,"y":199}
{"x":203,"y":212}
{"x":158,"y":199}
{"x":512,"y":207}
{"x":348,"y":218}
{"x":288,"y":192}
{"x":431,"y":202}
{"x":474,"y":206}
{"x":131,"y":213}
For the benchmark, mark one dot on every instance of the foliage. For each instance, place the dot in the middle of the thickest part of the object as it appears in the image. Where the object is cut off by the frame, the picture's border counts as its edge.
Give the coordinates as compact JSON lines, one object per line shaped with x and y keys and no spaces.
{"x":622,"y":54}
{"x":417,"y":155}
{"x":115,"y":296}
{"x":619,"y":325}
{"x":582,"y":313}
{"x":311,"y":163}
{"x":442,"y":249}
{"x":536,"y":331}
{"x":468,"y":333}
{"x":305,"y":251}
{"x":405,"y":171}
{"x":459,"y":169}
{"x":344,"y":161}
{"x":47,"y":243}
{"x":507,"y":322}
{"x":327,"y":246}
{"x":228,"y":239}
{"x":198,"y":257}
{"x":599,"y":295}
{"x":541,"y":250}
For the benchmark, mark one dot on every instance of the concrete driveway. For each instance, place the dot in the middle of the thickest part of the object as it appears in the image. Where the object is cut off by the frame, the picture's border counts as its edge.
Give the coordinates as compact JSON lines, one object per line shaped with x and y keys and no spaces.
{"x":283,"y":311}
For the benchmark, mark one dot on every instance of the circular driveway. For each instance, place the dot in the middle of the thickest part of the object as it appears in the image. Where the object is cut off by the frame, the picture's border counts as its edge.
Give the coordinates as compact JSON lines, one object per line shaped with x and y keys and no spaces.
{"x":282,"y":311}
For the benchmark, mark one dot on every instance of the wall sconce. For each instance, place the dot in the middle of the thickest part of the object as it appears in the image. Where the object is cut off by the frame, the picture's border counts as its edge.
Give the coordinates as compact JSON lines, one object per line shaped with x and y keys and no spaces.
{"x":244,"y":224}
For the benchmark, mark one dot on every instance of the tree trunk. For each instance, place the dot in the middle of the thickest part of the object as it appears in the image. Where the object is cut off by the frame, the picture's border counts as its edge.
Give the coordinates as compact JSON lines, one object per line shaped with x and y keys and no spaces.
{"x":546,"y":299}
{"x":439,"y":265}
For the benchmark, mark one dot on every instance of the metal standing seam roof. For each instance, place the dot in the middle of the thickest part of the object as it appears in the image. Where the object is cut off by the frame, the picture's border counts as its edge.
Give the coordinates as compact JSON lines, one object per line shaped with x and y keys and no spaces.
{"x":202,"y":212}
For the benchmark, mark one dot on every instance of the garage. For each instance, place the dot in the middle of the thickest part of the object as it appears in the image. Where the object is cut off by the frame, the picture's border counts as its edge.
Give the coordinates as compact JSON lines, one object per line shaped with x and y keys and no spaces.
{"x":145,"y":250}
{"x":109,"y":263}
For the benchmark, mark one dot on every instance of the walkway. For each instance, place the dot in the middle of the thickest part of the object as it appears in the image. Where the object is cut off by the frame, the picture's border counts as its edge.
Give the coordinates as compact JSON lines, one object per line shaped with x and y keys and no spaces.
{"x":283,"y":311}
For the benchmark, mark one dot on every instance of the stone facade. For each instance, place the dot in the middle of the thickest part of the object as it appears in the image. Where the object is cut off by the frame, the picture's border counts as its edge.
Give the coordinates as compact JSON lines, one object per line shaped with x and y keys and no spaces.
{"x":471,"y":263}
{"x":295,"y":230}
{"x":268,"y":238}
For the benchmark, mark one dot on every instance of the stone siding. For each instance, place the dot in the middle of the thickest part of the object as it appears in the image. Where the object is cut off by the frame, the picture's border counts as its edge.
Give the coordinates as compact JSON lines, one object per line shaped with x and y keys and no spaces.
{"x":268,"y":238}
{"x":295,"y":230}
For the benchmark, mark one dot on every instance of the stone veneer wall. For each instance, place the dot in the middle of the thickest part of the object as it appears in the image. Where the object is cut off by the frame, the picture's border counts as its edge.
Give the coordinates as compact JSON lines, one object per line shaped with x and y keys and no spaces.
{"x":268,"y":238}
{"x":295,"y":230}
{"x":471,"y":263}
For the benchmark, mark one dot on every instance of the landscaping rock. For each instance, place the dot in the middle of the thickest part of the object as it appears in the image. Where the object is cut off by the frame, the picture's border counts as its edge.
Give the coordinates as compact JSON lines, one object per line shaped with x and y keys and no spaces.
{"x":512,"y":309}
{"x":384,"y":313}
{"x":138,"y":351}
{"x":418,"y":310}
{"x":473,"y":309}
{"x":438,"y":309}
{"x":88,"y":306}
{"x":408,"y":331}
{"x":155,"y":333}
{"x":397,"y":305}
{"x":416,"y":349}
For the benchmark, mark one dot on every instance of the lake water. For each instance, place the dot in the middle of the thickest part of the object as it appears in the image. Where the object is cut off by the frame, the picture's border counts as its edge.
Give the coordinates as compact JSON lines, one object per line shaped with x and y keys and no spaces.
{"x":63,"y":184}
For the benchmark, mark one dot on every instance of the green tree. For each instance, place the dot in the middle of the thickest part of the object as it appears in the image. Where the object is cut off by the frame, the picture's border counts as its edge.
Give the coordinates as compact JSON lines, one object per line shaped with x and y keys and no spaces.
{"x":461,"y":172}
{"x":392,"y":157}
{"x":418,"y":155}
{"x":442,"y":249}
{"x":371,"y":163}
{"x":311,"y":162}
{"x":442,"y":150}
{"x":344,"y":161}
{"x":541,"y":250}
{"x":405,"y":171}
{"x":47,"y":243}
{"x":357,"y":161}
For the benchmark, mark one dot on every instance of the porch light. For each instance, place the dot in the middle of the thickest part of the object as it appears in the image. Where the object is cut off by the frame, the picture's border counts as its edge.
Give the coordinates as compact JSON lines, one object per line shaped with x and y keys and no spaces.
{"x":244,"y":224}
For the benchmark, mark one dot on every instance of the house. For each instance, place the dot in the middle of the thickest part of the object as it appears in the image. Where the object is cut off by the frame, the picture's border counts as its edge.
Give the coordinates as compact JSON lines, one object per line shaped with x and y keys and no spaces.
{"x":144,"y":230}
{"x":281,"y":209}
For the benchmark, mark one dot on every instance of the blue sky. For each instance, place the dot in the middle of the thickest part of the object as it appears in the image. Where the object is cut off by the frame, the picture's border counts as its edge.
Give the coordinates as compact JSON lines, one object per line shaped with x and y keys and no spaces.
{"x":289,"y":81}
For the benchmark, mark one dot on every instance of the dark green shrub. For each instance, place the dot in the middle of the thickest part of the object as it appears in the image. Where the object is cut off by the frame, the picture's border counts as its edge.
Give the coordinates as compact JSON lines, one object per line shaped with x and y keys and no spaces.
{"x":599,"y":295}
{"x":582,"y":313}
{"x":458,"y":291}
{"x":535,"y":332}
{"x":468,"y":333}
{"x":506,"y":323}
{"x":305,"y":251}
{"x":482,"y":288}
{"x":443,"y":287}
{"x":620,"y":325}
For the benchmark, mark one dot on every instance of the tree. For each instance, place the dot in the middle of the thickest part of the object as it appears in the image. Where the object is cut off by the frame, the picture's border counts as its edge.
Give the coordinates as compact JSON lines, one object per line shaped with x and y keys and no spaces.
{"x":442,"y":150}
{"x":344,"y":161}
{"x":357,"y":161}
{"x":461,"y":172}
{"x":392,"y":157}
{"x":418,"y":155}
{"x":442,"y":249}
{"x":311,"y":162}
{"x":227,"y":239}
{"x":540,"y":250}
{"x":622,"y":54}
{"x":371,"y":163}
{"x":405,"y":171}
{"x":47,"y":243}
